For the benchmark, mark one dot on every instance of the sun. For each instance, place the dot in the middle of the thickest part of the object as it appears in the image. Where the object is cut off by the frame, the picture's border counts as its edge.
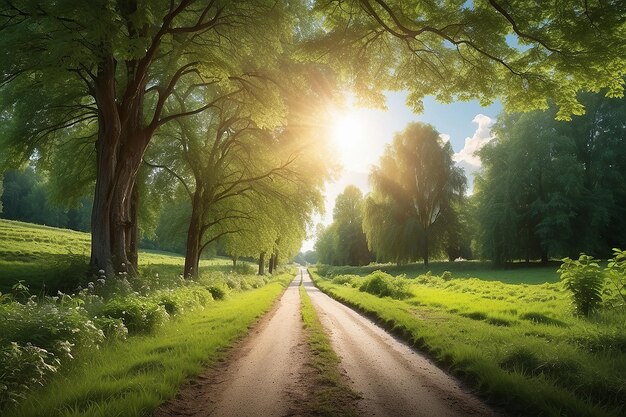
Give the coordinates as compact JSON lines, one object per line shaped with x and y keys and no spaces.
{"x":348,"y":132}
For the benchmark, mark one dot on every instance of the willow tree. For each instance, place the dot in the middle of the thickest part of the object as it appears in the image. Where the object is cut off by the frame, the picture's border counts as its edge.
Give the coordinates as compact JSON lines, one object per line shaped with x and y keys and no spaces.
{"x":523,"y":51}
{"x":112,"y":68}
{"x":414,"y":188}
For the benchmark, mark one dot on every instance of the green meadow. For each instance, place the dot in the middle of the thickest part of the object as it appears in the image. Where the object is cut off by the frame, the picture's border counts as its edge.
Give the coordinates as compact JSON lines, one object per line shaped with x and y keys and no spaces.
{"x":52,"y":259}
{"x":518,"y":344}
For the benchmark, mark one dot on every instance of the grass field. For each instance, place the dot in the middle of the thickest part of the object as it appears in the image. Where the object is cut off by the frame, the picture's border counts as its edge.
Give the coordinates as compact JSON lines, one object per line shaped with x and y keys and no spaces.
{"x":56,"y":259}
{"x":134,"y":377}
{"x":517,"y":344}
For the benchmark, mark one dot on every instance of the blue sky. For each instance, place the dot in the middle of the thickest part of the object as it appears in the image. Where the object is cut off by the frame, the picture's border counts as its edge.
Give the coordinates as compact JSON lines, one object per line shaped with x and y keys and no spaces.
{"x":362,"y":142}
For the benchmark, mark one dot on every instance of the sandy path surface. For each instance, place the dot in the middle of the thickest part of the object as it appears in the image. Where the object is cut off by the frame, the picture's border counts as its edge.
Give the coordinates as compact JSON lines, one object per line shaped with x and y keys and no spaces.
{"x":264,"y":376}
{"x":392,"y":378}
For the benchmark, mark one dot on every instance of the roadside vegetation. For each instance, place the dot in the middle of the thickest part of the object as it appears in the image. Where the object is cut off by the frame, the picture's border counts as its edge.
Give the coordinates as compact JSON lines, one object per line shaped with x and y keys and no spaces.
{"x":515,"y":273}
{"x":154,"y":365}
{"x":331,"y":395}
{"x":46,"y":334}
{"x":522,"y":346}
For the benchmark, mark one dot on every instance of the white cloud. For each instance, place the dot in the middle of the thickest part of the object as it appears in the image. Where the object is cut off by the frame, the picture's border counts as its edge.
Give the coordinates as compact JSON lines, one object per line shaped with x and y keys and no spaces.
{"x":481,"y":137}
{"x":444,"y":137}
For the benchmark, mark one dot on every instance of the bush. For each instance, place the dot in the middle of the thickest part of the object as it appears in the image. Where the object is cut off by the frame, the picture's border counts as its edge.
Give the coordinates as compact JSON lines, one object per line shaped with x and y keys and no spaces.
{"x":21,"y":367}
{"x":351,"y":280}
{"x":382,"y":284}
{"x":616,"y":274}
{"x":245,"y":268}
{"x":58,"y":329}
{"x":583,"y":278}
{"x":218,"y":292}
{"x":113,"y":329}
{"x":139,"y":314}
{"x":180,"y":299}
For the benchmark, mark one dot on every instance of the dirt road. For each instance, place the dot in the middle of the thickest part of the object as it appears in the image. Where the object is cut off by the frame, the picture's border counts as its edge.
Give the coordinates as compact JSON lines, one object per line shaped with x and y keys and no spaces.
{"x":267,"y":374}
{"x":392,"y":379}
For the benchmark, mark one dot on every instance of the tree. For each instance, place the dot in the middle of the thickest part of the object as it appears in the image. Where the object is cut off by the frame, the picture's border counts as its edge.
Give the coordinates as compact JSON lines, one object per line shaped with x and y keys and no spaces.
{"x":109,"y":72}
{"x":414,"y":189}
{"x":236,"y":170}
{"x":344,"y":243}
{"x":527,"y":53}
{"x":550,"y":188}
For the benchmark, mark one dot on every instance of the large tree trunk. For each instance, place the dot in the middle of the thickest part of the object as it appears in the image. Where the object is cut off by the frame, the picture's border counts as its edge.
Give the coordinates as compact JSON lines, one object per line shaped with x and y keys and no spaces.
{"x":262,"y":263}
{"x":120,"y":146}
{"x":194,"y":238}
{"x":123,"y":219}
{"x":107,"y":146}
{"x":275,"y":260}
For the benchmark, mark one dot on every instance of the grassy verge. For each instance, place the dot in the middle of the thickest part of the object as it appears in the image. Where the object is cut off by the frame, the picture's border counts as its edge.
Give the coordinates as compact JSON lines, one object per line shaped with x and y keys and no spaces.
{"x":134,"y":377}
{"x":331,"y":395}
{"x":518,"y":345}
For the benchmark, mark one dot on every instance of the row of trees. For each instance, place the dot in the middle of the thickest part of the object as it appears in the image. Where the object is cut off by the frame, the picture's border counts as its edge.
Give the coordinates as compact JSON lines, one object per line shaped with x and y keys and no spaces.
{"x":547,"y":189}
{"x":89,"y":88}
{"x":554,"y":189}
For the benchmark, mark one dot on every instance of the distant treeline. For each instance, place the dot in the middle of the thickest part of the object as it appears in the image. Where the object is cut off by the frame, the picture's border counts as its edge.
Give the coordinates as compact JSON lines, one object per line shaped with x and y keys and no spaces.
{"x":547,"y":189}
{"x":26,"y":196}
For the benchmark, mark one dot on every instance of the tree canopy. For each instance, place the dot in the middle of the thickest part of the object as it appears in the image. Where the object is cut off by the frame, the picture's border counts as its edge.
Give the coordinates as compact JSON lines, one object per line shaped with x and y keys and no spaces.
{"x":522,"y":51}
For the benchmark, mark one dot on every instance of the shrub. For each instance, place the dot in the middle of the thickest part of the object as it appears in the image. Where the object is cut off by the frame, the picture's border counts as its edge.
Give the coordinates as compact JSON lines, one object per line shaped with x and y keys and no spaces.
{"x":351,"y":280}
{"x":21,"y":367}
{"x":583,"y":278}
{"x":113,"y":329}
{"x":218,"y":292}
{"x":245,"y":268}
{"x":382,"y":284}
{"x":58,"y":329}
{"x":139,"y":314}
{"x":180,"y":299}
